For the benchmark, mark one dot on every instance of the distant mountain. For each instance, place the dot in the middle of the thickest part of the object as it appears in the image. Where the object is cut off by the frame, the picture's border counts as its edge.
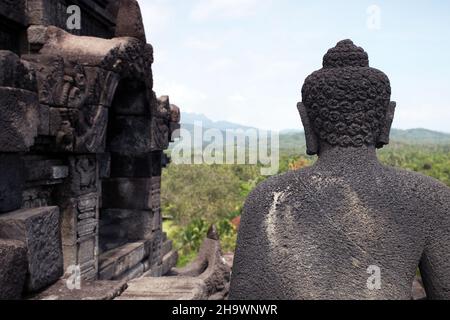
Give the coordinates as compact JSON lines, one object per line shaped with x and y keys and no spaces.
{"x":294,"y":140}
{"x":189,"y":119}
{"x":420,"y":136}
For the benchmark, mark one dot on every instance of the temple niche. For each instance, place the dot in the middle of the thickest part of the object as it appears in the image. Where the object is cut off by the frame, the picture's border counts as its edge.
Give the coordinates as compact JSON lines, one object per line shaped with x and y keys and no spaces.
{"x":82,"y":136}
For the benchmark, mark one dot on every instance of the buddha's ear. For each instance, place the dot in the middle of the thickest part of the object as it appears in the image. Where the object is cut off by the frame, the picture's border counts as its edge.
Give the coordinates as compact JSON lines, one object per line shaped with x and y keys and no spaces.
{"x":385,"y":132}
{"x":312,"y":142}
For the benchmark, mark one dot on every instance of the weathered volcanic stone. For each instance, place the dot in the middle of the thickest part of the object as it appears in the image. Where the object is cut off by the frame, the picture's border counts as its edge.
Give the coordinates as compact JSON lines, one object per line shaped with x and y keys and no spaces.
{"x":15,"y":73}
{"x":19,"y":119}
{"x":11,"y":182}
{"x":167,"y":288}
{"x":90,"y":291}
{"x":39,"y":229}
{"x":141,"y":166}
{"x":127,"y":224}
{"x":130,"y":135}
{"x":324,"y":232}
{"x":209,"y":266}
{"x":129,"y":20}
{"x":114,"y":263}
{"x":13,"y":266}
{"x":128,"y":193}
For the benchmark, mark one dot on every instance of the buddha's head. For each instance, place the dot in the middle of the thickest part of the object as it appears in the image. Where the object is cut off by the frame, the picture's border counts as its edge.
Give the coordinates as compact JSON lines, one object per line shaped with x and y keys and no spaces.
{"x":346,"y":103}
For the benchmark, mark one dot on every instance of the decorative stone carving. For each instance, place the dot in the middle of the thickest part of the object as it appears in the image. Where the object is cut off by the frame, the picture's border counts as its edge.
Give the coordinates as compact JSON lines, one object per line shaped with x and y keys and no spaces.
{"x":175,"y":118}
{"x":101,"y":85}
{"x":49,"y":71}
{"x":90,"y":129}
{"x":83,"y":110}
{"x":209,"y":266}
{"x":332,"y":223}
{"x":80,"y":234}
{"x":161,"y":124}
{"x":83,"y":176}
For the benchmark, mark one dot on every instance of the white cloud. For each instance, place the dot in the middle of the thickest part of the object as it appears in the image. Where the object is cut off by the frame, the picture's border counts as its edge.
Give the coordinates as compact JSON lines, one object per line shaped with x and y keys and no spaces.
{"x":202,"y":44}
{"x":237,"y":98}
{"x":220,"y":64}
{"x":187,"y":98}
{"x":207,"y":9}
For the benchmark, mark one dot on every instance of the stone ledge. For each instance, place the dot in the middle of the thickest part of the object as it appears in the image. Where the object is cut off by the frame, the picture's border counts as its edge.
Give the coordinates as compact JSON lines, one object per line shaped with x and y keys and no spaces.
{"x":98,"y":290}
{"x":167,"y":288}
{"x":115,"y":263}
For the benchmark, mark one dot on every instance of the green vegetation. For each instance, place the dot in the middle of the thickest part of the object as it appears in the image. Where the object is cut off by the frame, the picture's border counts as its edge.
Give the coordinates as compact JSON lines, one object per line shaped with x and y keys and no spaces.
{"x":195,"y":196}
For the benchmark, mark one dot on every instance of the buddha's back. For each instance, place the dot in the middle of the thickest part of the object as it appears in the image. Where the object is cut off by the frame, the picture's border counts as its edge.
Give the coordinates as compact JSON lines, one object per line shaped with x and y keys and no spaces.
{"x":312,"y":234}
{"x":348,"y":227}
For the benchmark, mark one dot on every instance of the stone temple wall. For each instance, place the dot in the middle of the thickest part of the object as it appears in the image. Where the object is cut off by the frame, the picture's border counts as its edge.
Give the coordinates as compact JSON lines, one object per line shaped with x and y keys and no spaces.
{"x":82,"y":136}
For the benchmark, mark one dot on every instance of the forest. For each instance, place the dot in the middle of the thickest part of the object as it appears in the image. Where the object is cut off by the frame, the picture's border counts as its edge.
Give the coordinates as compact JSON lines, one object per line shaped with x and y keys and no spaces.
{"x":196,"y":196}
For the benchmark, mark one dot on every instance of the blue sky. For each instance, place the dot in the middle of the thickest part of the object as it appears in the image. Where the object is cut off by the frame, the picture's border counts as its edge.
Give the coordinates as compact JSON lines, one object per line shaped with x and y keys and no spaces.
{"x":245,"y":60}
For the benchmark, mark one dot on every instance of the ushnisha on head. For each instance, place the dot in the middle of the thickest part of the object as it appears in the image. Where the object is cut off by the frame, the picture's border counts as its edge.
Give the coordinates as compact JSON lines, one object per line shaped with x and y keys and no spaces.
{"x":346,"y":103}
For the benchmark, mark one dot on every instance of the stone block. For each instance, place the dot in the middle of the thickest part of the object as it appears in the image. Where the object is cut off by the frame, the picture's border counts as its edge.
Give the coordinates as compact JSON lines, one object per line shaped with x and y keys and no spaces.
{"x":14,"y":10}
{"x":11,"y":182}
{"x":167,"y":288}
{"x":131,"y":274}
{"x":114,"y":263}
{"x":19,"y":119}
{"x":16,"y":73}
{"x":154,"y":272}
{"x":126,"y":224}
{"x":169,"y":261}
{"x":39,"y":229}
{"x":44,"y":120}
{"x":166,"y":247}
{"x":157,"y":219}
{"x":50,"y":78}
{"x":37,"y":196}
{"x":136,"y":166}
{"x":92,"y":291}
{"x":104,"y":163}
{"x":131,"y":99}
{"x":130,"y":193}
{"x":156,"y":256}
{"x":37,"y":35}
{"x":129,"y":20}
{"x":130,"y":135}
{"x":13,"y":266}
{"x":45,"y":170}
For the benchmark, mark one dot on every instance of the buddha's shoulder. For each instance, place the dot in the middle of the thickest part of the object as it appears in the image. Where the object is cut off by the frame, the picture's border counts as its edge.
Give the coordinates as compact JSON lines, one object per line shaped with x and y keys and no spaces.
{"x":415,"y":180}
{"x":422,"y":187}
{"x":279,"y":187}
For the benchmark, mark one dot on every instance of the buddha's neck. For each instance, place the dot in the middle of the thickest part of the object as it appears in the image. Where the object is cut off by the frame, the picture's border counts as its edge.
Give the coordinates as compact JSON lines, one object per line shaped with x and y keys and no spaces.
{"x":344,"y":159}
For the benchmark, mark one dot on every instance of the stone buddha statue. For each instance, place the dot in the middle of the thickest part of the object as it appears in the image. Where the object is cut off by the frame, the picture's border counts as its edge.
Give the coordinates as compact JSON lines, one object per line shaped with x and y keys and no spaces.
{"x":348,"y":227}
